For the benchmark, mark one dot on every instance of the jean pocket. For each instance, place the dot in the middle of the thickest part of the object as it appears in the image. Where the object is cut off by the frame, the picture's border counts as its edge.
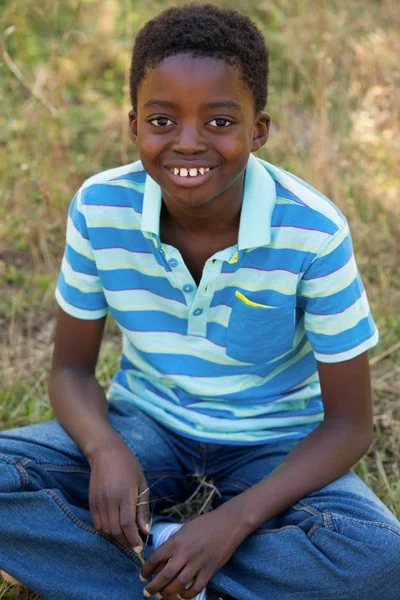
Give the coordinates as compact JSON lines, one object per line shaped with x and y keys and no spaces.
{"x":259,"y":333}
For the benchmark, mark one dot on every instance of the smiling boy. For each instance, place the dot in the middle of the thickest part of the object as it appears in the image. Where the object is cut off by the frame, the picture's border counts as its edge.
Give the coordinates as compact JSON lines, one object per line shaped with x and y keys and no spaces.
{"x":245,"y":335}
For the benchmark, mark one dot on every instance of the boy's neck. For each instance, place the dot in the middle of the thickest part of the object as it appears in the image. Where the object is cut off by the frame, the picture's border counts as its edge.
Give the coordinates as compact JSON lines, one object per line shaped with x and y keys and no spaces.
{"x":219,"y":217}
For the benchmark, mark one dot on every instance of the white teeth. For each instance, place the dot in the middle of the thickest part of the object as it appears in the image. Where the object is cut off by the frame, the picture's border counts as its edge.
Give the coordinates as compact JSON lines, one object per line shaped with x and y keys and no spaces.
{"x":191,"y":172}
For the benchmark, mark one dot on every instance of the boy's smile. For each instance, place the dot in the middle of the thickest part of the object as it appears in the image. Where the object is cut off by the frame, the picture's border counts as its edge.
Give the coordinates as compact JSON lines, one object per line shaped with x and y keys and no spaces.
{"x":195,"y":127}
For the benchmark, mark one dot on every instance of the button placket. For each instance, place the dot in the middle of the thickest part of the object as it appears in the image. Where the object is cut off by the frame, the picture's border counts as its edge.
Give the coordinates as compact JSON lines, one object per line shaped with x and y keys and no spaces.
{"x":197,"y":323}
{"x":179,"y":275}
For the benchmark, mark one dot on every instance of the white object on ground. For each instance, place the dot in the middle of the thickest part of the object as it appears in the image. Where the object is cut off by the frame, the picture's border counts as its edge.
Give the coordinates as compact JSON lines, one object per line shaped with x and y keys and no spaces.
{"x":161,"y":532}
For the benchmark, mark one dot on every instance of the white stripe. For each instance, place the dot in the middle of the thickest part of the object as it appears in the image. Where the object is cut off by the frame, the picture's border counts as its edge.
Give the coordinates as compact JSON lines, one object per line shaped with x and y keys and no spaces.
{"x":296,"y":401}
{"x":80,"y":281}
{"x":335,"y":241}
{"x":119,"y":258}
{"x":253,"y":280}
{"x":111,"y":216}
{"x":219,"y":314}
{"x":79,"y":313}
{"x":136,"y":300}
{"x":77,"y":241}
{"x":310,"y":198}
{"x":162,"y":342}
{"x":300,"y":239}
{"x":231,"y":384}
{"x":333,"y":324}
{"x":331,"y":283}
{"x":105,"y":176}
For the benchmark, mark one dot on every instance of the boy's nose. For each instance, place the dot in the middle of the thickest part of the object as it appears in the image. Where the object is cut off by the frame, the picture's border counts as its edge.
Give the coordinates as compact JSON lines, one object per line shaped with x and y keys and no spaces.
{"x":189,"y":141}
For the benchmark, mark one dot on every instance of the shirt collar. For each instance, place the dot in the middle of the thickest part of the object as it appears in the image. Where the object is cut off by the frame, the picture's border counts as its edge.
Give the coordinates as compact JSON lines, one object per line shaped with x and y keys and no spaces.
{"x":259,"y":199}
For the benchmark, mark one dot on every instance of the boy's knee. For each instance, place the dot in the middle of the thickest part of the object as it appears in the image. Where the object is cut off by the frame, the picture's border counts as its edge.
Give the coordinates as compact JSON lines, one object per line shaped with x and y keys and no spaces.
{"x":380,"y":573}
{"x":387,"y":569}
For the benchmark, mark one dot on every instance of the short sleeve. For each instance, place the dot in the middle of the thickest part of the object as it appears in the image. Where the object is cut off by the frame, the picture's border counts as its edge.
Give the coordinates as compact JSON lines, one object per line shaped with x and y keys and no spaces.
{"x":337,"y":317}
{"x":79,"y":291}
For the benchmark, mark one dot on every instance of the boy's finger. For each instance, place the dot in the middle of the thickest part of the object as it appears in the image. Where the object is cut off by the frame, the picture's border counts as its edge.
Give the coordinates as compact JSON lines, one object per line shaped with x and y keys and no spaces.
{"x":164,"y":577}
{"x":127,"y":518}
{"x":116,"y":531}
{"x":94,"y":513}
{"x":103,"y":518}
{"x":142,"y":508}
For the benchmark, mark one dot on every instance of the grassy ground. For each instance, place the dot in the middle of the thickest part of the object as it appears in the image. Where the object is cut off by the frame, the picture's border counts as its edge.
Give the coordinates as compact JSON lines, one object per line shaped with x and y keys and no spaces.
{"x":64,"y":102}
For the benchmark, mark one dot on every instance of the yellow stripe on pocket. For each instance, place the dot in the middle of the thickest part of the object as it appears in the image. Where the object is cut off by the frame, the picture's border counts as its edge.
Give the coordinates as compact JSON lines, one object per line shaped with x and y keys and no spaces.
{"x":250,"y":302}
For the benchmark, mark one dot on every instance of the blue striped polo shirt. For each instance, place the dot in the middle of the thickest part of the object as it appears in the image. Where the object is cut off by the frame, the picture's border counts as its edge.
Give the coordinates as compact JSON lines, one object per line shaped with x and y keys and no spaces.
{"x":234,"y":359}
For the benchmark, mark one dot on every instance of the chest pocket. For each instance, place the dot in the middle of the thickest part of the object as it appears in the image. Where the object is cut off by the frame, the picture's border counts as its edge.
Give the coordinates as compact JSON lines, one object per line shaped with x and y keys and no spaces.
{"x":259,"y":333}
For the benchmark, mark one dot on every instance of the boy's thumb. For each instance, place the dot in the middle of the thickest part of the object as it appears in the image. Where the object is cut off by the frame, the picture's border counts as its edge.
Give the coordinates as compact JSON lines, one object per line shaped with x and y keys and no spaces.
{"x":143,"y":509}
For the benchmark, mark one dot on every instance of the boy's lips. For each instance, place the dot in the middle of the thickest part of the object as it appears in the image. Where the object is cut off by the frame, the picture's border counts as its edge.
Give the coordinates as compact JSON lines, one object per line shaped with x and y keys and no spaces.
{"x":189,"y":181}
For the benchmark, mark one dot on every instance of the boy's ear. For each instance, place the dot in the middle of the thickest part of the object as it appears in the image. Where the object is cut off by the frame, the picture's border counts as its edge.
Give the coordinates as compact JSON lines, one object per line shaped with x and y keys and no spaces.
{"x":261,"y":130}
{"x":133,"y":126}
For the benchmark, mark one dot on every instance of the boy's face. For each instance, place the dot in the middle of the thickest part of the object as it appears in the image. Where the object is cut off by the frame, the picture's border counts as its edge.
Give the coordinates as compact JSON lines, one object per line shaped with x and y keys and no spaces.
{"x":178,"y":125}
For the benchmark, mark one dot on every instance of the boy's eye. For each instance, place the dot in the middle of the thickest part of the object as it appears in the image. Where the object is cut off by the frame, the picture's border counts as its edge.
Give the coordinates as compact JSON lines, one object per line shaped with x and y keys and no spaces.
{"x":221,"y":123}
{"x":161,"y":122}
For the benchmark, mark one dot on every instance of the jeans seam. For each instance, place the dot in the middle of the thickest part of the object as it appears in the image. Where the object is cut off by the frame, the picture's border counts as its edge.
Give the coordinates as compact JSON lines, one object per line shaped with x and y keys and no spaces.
{"x":68,"y":512}
{"x":267,"y":531}
{"x":153,"y":474}
{"x":326,"y":516}
{"x":19,"y":466}
{"x":367,"y":522}
{"x":67,"y":468}
{"x":313,"y":530}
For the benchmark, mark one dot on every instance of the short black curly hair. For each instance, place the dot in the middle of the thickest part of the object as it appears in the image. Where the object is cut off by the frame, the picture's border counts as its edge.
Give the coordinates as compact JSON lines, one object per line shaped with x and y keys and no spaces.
{"x":203,"y":30}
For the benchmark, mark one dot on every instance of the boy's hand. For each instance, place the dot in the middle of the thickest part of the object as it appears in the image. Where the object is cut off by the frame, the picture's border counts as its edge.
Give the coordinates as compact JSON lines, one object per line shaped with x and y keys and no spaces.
{"x":118,"y":494}
{"x":193,"y":554}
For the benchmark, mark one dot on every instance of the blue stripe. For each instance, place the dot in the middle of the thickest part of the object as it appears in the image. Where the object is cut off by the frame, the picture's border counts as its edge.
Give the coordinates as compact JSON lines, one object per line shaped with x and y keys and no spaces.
{"x":83,"y":300}
{"x":132,"y":279}
{"x":149,"y":320}
{"x":282,"y":192}
{"x":297,"y":216}
{"x":78,"y":218}
{"x":331,"y":262}
{"x":278,"y":258}
{"x":103,"y":194}
{"x":319,"y":194}
{"x":335,"y":303}
{"x":110,"y":237}
{"x":80,"y":263}
{"x":329,"y":344}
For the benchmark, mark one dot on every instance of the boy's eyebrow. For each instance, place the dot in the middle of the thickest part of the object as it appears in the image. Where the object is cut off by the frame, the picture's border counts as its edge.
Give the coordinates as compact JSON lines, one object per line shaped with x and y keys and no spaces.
{"x":169,"y":104}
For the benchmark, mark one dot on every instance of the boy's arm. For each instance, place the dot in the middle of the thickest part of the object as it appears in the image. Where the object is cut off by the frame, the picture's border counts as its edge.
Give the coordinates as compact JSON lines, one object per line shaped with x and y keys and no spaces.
{"x":325,"y":454}
{"x":78,"y":400}
{"x":81,"y":407}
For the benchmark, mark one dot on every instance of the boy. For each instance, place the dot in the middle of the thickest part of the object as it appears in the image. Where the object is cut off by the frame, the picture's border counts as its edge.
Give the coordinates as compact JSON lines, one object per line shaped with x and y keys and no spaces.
{"x":245,"y":335}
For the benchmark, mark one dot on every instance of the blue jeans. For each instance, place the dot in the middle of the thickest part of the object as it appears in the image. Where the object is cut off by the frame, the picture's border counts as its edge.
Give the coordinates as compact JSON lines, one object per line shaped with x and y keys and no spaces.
{"x":340,"y":542}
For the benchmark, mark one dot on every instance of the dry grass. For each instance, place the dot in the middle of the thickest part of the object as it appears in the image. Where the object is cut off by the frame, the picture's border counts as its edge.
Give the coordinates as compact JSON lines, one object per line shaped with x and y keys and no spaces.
{"x":336,"y":124}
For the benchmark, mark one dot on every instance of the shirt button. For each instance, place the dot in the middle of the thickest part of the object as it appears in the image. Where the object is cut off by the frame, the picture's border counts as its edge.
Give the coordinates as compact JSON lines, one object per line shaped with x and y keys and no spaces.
{"x":197,"y":312}
{"x":188,"y":288}
{"x":173,"y":262}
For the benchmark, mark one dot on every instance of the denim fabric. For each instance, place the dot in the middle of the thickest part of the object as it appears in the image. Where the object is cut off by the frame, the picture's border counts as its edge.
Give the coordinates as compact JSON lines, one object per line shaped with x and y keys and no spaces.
{"x":340,"y":542}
